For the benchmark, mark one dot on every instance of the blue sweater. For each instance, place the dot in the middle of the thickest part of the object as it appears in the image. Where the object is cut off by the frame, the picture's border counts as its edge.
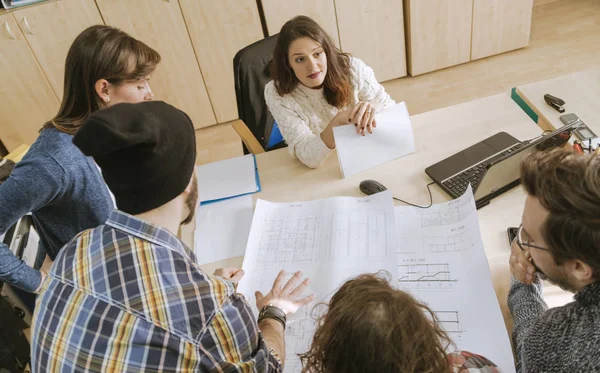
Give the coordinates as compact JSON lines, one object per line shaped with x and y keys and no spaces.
{"x":65,"y":193}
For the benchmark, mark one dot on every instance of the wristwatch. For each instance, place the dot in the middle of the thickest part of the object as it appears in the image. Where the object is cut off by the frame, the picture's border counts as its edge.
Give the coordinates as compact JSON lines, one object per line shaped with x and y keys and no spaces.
{"x":272,"y":312}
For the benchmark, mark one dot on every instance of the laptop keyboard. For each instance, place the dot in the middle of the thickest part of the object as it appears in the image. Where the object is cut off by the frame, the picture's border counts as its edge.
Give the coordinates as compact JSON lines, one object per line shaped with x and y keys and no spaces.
{"x":473,"y":175}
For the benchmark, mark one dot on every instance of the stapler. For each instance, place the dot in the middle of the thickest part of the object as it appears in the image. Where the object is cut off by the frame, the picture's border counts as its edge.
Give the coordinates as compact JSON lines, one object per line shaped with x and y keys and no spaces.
{"x":555,"y":102}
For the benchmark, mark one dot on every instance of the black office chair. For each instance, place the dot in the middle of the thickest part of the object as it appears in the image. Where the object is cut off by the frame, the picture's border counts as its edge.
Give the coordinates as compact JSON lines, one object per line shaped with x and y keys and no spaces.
{"x":251,"y":69}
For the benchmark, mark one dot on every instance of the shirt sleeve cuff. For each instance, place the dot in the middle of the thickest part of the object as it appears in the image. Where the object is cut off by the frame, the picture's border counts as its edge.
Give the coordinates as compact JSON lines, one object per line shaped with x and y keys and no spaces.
{"x":275,"y":360}
{"x":31,"y":281}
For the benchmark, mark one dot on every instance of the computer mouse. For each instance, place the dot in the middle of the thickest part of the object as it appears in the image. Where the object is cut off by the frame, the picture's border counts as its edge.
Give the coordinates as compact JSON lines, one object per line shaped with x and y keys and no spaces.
{"x":369,"y":187}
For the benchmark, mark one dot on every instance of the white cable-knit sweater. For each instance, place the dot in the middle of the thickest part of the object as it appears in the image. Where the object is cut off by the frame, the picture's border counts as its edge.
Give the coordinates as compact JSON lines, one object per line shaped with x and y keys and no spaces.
{"x":303,"y":114}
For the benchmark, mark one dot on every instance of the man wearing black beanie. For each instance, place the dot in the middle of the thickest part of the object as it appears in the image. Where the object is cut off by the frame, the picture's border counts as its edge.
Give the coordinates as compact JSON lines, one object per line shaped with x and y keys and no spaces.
{"x":128,"y":295}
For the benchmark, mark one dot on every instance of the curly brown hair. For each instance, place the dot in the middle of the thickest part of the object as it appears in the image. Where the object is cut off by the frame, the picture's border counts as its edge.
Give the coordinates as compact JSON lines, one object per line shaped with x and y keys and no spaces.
{"x":336,"y":87}
{"x":568,"y":186}
{"x":371,"y":327}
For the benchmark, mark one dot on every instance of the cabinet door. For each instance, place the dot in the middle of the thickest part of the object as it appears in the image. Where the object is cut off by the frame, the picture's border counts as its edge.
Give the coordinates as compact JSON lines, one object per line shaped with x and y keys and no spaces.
{"x":219,"y":29}
{"x":27,"y":101}
{"x":160,"y":24}
{"x":500,"y":26}
{"x":50,"y":29}
{"x":438,"y":34}
{"x":278,"y":12}
{"x":373,"y":30}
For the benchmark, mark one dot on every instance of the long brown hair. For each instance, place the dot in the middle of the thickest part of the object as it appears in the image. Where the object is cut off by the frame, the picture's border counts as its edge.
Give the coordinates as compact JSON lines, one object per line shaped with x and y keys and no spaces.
{"x":99,"y":52}
{"x":337,"y":89}
{"x":568,"y":186}
{"x":372,"y":327}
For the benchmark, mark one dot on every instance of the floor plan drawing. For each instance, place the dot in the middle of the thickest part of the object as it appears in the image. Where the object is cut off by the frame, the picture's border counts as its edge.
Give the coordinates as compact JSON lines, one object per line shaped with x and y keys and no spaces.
{"x":358,"y":236}
{"x":454,"y":242}
{"x":442,"y":263}
{"x":450,"y":321}
{"x":289,"y":239}
{"x":329,"y":241}
{"x":453,"y":214}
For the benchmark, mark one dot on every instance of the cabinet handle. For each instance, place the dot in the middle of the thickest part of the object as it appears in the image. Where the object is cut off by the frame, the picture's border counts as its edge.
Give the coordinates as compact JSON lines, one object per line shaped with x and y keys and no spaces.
{"x":27,"y":28}
{"x":7,"y":27}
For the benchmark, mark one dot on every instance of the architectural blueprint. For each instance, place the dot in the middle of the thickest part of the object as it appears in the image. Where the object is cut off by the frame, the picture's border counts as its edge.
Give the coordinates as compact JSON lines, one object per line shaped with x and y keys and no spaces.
{"x":328,"y":240}
{"x":441,"y":261}
{"x":436,"y":254}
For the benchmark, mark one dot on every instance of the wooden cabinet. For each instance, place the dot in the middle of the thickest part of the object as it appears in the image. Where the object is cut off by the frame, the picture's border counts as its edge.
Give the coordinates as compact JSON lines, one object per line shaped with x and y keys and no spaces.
{"x":219,"y":29}
{"x":27,"y":101}
{"x":500,"y":26}
{"x":373,"y":30}
{"x":438,"y":33}
{"x":278,"y":12}
{"x":50,"y":29}
{"x":160,"y":24}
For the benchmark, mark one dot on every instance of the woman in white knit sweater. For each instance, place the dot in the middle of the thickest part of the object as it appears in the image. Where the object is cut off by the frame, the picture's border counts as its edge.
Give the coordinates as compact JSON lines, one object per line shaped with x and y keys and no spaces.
{"x":316,"y":87}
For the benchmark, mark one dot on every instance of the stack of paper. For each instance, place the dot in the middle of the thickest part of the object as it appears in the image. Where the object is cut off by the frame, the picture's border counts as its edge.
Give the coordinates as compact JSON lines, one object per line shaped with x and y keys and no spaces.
{"x":436,"y":254}
{"x":227,"y":179}
{"x":224,"y":215}
{"x":328,"y":240}
{"x":392,"y":139}
{"x":442,"y":262}
{"x":222,"y":229}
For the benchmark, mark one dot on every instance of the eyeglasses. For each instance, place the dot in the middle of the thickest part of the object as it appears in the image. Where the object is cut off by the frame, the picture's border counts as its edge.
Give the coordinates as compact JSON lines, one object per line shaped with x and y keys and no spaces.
{"x":523,"y":239}
{"x":557,"y":141}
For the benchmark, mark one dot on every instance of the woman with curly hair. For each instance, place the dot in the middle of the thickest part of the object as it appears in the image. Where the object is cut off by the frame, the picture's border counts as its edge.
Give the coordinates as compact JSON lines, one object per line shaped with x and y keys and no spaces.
{"x":371,"y":327}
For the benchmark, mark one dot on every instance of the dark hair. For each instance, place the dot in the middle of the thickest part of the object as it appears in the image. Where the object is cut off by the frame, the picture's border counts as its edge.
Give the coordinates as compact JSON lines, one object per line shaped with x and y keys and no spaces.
{"x":372,"y":327}
{"x":568,"y":186}
{"x":99,"y":52}
{"x":337,"y":89}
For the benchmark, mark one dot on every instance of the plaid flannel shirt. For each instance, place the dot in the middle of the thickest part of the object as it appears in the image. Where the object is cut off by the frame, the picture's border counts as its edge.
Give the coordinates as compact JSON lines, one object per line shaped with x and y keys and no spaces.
{"x":128,"y":296}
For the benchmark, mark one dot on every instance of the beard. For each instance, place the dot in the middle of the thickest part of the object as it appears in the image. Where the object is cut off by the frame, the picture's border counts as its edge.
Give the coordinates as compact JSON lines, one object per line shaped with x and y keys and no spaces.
{"x":191,"y":201}
{"x":559,"y":278}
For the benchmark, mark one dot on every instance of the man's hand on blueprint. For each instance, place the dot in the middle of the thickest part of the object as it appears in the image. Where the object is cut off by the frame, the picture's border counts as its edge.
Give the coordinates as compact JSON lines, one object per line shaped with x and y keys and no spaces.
{"x":288,"y":297}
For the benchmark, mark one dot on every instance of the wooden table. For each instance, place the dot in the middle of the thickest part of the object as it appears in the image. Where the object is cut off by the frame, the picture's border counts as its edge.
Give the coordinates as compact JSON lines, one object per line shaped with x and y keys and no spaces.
{"x":438,"y":134}
{"x":580,"y":91}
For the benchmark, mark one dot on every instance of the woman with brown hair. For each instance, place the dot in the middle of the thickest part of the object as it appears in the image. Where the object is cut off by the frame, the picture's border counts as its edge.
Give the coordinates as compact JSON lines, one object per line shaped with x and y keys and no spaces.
{"x":62,"y":188}
{"x":371,"y":327}
{"x":316,"y":87}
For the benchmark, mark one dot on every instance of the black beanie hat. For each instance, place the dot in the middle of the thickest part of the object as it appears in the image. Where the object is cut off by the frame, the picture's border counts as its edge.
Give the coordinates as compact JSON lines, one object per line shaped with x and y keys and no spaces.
{"x":146,"y":152}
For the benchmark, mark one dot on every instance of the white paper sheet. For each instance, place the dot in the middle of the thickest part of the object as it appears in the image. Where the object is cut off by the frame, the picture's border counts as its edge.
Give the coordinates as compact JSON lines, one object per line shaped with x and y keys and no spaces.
{"x":392,"y":139}
{"x":328,"y":240}
{"x":222,"y":229}
{"x":225,"y":179}
{"x":442,"y":262}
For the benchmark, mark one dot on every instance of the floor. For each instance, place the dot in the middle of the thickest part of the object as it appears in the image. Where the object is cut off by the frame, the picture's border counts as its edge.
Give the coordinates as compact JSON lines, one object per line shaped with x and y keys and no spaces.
{"x":565,"y":38}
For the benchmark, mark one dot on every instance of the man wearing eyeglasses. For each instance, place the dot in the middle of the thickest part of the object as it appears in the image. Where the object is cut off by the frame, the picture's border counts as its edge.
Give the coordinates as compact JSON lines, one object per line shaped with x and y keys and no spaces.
{"x":558,"y":240}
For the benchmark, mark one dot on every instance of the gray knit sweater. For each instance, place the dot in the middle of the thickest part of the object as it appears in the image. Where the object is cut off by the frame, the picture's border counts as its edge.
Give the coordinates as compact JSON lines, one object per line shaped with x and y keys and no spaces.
{"x":561,"y":339}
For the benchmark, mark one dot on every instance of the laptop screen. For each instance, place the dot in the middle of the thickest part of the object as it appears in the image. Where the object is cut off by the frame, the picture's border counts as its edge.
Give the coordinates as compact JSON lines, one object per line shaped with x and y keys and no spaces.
{"x":501,"y":174}
{"x":507,"y":170}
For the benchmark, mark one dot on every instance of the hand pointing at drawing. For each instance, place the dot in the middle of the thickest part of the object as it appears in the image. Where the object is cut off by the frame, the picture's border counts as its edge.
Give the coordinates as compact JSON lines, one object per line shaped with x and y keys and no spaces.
{"x":281,"y":301}
{"x":288,"y":296}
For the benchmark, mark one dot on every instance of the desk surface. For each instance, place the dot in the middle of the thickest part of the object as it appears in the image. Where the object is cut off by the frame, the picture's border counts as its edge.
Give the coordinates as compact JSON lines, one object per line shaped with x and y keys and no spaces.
{"x":580,"y":91}
{"x":438,"y":134}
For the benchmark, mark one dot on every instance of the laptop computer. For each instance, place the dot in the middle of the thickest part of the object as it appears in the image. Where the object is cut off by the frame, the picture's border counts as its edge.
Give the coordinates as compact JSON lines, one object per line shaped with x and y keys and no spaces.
{"x":491,"y":166}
